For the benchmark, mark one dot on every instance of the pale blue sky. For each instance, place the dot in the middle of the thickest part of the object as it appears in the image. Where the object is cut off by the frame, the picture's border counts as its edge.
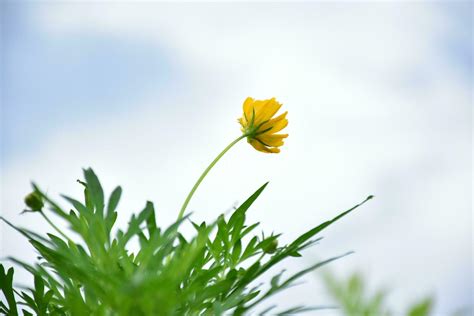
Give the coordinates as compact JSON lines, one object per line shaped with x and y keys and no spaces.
{"x":52,"y":85}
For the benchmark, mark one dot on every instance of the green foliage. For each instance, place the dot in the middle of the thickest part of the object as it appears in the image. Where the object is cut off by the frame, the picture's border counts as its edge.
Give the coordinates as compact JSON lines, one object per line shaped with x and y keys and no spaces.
{"x":422,"y":308}
{"x":91,"y":269}
{"x":353,"y":299}
{"x":6,"y":285}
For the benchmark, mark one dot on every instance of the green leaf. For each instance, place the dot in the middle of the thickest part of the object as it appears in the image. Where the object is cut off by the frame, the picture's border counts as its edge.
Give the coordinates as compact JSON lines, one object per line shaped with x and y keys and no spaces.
{"x":422,"y":308}
{"x":250,"y":249}
{"x":248,"y":229}
{"x":6,"y":285}
{"x":276,"y":287}
{"x":298,"y":310}
{"x":114,"y":200}
{"x":111,"y":215}
{"x":275,"y":281}
{"x":151,"y":220}
{"x":268,"y":309}
{"x":25,"y":232}
{"x":237,"y":228}
{"x":55,"y":208}
{"x":250,"y":273}
{"x":309,"y":234}
{"x":39,"y":287}
{"x":240,"y":211}
{"x":164,"y":273}
{"x":95,"y":190}
{"x":311,"y":268}
{"x":222,"y":234}
{"x":135,"y":222}
{"x":80,"y":208}
{"x":236,"y":251}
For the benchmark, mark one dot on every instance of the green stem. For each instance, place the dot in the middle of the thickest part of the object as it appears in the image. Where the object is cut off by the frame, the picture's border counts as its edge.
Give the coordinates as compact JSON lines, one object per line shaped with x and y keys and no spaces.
{"x":203,"y":175}
{"x":54,"y":226}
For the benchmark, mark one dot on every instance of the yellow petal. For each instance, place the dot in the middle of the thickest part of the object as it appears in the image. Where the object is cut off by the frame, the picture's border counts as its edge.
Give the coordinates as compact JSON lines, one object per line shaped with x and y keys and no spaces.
{"x":259,"y":125}
{"x":267,"y":110}
{"x":257,"y":107}
{"x":260,"y":147}
{"x":248,"y":109}
{"x":276,"y":124}
{"x":273,"y":140}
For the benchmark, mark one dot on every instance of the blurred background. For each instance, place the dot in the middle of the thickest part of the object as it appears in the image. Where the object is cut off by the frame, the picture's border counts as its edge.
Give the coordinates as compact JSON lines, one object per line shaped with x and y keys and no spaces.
{"x":379,"y":98}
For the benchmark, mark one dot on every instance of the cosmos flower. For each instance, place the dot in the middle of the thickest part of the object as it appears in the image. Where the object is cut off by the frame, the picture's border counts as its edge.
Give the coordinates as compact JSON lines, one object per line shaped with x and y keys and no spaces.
{"x":259,"y":126}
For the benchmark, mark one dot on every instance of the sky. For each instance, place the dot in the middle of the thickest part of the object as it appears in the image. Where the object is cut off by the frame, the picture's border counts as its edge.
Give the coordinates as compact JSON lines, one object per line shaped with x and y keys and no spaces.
{"x":379,"y":98}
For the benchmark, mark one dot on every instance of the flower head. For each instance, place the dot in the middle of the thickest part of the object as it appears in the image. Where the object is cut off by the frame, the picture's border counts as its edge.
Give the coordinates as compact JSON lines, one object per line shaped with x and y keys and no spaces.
{"x":260,"y":127}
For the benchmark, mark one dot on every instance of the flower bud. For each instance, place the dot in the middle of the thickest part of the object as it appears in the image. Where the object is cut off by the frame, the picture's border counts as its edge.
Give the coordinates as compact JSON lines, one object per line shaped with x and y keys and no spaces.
{"x":270,"y":247}
{"x":34,"y":201}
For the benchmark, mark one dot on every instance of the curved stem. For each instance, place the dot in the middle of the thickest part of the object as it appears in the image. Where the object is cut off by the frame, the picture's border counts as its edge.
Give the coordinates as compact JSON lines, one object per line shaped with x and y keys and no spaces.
{"x":203,"y":175}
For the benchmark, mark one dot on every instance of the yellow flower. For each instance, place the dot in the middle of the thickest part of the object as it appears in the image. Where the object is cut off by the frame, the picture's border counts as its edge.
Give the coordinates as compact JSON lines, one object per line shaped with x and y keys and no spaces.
{"x":259,"y":126}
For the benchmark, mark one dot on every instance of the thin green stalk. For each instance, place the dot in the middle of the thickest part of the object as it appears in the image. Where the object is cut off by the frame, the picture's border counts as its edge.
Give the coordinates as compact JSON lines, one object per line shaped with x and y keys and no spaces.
{"x":203,"y":175}
{"x":54,"y":226}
